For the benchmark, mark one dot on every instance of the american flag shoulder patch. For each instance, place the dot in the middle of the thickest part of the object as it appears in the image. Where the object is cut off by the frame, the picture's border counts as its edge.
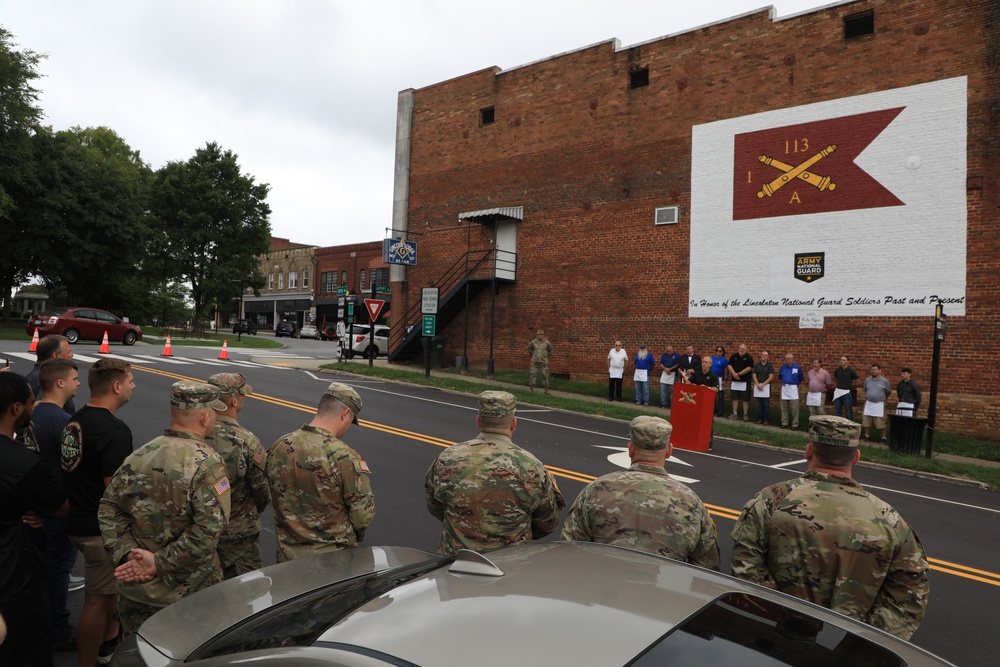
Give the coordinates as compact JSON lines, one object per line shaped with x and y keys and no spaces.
{"x":258,"y":455}
{"x":221,"y":486}
{"x":364,"y":466}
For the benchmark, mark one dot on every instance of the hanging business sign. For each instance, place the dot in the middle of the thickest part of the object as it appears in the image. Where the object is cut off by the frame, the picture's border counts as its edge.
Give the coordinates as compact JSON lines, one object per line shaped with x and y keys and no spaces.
{"x":398,"y":251}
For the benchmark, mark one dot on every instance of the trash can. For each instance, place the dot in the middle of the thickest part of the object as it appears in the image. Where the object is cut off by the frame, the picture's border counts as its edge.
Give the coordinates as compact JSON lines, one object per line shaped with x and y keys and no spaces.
{"x":906,"y":434}
{"x":461,"y":364}
{"x":437,"y":352}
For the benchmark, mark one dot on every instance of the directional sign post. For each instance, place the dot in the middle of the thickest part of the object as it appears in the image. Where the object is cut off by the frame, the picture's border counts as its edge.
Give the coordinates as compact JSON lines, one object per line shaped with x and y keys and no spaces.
{"x":429,"y":325}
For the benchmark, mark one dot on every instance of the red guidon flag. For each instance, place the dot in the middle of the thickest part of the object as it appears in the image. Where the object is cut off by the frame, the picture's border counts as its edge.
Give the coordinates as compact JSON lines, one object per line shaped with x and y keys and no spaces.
{"x":808,"y":168}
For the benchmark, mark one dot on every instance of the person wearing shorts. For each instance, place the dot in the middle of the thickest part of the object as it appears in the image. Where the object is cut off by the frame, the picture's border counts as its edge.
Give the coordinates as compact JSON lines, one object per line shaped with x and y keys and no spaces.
{"x":877,"y":390}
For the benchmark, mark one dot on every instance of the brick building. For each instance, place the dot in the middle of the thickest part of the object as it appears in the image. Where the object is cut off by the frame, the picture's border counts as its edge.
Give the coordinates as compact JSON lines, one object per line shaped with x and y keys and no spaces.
{"x":289,"y":269}
{"x":357,"y":267}
{"x":815,"y":183}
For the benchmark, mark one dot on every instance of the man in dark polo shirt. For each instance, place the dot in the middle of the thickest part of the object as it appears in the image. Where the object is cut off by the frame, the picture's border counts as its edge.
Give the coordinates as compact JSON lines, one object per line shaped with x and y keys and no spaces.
{"x":740,"y":370}
{"x":94,"y":444}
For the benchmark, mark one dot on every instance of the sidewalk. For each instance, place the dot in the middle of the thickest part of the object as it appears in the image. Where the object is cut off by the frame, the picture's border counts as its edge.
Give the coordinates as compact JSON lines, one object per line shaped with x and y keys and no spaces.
{"x":314,"y":365}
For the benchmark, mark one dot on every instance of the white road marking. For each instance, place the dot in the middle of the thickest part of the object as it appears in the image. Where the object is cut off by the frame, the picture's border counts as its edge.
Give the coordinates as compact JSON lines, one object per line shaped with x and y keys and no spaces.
{"x":165,"y":360}
{"x":621,"y":459}
{"x":789,"y":463}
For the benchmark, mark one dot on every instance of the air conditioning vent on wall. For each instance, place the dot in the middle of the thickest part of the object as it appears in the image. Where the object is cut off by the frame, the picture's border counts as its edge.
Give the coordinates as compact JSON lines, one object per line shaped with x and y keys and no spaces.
{"x":667,"y":215}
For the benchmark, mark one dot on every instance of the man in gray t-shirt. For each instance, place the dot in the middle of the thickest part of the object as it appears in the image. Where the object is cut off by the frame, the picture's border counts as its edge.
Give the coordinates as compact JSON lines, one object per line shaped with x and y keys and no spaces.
{"x":877,"y":390}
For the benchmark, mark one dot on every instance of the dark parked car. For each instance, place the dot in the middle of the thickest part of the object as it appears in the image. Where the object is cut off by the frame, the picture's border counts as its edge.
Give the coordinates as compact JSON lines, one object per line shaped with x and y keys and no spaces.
{"x":245,"y":327}
{"x":83,"y":324}
{"x":286,"y":329}
{"x":553,"y":603}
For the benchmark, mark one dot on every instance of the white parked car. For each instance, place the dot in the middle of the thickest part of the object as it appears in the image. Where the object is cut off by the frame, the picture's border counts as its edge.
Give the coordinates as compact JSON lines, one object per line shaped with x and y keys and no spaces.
{"x":360,"y":343}
{"x":309,"y":331}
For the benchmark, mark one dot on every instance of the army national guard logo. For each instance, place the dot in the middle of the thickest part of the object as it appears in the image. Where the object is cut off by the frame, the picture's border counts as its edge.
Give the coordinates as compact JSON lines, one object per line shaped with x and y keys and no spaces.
{"x":810,"y":266}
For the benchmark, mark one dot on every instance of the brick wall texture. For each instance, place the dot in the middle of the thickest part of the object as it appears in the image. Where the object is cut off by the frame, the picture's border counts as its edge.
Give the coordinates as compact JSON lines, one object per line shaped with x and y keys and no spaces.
{"x":590,"y":158}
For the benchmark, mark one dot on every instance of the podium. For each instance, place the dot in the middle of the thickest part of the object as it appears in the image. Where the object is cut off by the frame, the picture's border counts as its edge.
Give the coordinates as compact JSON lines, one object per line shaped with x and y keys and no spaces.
{"x":691,"y":415}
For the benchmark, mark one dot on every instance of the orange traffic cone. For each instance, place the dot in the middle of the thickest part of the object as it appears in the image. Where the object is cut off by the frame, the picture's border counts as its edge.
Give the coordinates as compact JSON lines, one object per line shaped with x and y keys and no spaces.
{"x":105,"y":348}
{"x":225,"y":350}
{"x":34,"y":341}
{"x":166,"y":348}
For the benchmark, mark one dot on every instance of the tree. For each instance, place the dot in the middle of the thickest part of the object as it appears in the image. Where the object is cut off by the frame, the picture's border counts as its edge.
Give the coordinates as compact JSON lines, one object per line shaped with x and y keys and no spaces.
{"x":19,"y":115}
{"x":211,"y":222}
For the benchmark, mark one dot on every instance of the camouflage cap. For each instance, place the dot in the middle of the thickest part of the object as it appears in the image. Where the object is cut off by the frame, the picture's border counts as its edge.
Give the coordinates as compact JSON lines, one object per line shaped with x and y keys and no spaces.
{"x":188,"y":395}
{"x":541,"y":332}
{"x":347,"y":396}
{"x":497,"y":404}
{"x":650,"y":433}
{"x":230,"y":384}
{"x":836,"y":431}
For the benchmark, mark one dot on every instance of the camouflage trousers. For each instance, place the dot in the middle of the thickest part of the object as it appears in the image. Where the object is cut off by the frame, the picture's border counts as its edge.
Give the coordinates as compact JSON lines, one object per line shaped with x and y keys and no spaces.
{"x":240,"y":556}
{"x":537,"y":366}
{"x":132,"y":614}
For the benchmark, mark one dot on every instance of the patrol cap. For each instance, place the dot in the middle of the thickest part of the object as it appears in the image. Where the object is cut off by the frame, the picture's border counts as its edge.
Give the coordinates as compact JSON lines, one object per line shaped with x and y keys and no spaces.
{"x":347,"y":396}
{"x":230,"y":384}
{"x":642,"y":346}
{"x":541,"y":332}
{"x":497,"y":404}
{"x":835,"y":431}
{"x":189,"y":395}
{"x":650,"y":433}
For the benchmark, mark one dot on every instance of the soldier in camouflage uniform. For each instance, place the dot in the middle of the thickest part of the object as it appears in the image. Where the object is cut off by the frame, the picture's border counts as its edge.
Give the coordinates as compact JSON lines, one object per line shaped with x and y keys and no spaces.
{"x":163,"y":512}
{"x":488,"y":492}
{"x":642,"y":507}
{"x":244,"y":456}
{"x":540,"y":349}
{"x":824,"y":539}
{"x":320,"y":487}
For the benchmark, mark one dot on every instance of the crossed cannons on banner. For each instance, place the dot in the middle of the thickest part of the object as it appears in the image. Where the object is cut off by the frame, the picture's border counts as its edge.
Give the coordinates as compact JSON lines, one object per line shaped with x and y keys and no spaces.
{"x":800,"y":172}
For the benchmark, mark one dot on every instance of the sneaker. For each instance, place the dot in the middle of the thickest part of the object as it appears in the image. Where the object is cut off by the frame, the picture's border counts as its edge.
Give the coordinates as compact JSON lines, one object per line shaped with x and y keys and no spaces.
{"x":884,"y":441}
{"x":747,"y":419}
{"x":734,"y":416}
{"x":75,"y":583}
{"x":107,"y":649}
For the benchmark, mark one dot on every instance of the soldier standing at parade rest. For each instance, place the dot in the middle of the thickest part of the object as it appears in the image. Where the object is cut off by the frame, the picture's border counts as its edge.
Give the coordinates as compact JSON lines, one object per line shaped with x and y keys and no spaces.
{"x":487,"y":492}
{"x":541,"y":349}
{"x":643,"y":508}
{"x":824,"y":539}
{"x":321,"y":488}
{"x":165,"y":508}
{"x":244,"y":456}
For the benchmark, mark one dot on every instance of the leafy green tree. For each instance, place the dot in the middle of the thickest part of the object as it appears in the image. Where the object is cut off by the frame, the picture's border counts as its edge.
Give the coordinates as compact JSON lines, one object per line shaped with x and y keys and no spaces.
{"x":19,"y":115}
{"x":210,"y":222}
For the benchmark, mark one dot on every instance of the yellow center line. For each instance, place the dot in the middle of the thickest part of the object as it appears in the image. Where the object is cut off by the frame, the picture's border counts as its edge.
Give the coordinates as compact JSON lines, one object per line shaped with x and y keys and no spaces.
{"x":937,"y":565}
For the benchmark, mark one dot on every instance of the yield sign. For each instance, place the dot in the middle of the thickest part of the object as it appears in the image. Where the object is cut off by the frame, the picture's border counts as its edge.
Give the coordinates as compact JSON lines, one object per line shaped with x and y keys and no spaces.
{"x":374,"y":307}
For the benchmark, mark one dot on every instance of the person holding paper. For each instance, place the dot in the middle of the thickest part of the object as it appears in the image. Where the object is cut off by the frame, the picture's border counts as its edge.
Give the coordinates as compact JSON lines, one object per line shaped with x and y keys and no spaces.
{"x":668,"y":375}
{"x":791,"y":377}
{"x":843,"y":398}
{"x":740,"y":372}
{"x":877,"y":390}
{"x":763,"y":374}
{"x":819,"y":382}
{"x":616,"y":369}
{"x":908,"y":393}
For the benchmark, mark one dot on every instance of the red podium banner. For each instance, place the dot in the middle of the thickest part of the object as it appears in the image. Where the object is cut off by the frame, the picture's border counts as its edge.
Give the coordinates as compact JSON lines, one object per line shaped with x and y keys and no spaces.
{"x":691,"y":413}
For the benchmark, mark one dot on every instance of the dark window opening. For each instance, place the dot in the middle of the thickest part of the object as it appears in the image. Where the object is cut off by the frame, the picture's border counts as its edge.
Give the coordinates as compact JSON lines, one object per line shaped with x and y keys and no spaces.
{"x":638,"y":78}
{"x":487,"y":115}
{"x":858,"y":25}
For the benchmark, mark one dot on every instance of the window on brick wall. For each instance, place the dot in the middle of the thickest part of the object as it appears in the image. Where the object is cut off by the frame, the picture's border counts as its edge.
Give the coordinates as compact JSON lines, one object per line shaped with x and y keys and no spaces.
{"x":638,"y":78}
{"x":487,"y":115}
{"x":380,"y":276}
{"x":343,"y":278}
{"x":305,"y":278}
{"x":361,"y":282}
{"x":270,"y":281}
{"x":328,"y":280}
{"x":281,"y":280}
{"x":293,"y":280}
{"x":858,"y":25}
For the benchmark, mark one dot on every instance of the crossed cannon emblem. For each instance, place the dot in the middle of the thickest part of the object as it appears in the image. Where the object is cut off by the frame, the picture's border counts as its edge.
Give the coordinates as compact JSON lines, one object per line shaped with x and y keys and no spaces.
{"x":688,"y":397}
{"x":800,"y":172}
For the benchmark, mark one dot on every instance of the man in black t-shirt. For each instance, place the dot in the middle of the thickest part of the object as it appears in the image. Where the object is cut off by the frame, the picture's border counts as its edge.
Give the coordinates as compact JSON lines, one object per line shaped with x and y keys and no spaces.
{"x":28,"y":491}
{"x":740,"y":370}
{"x":94,"y":445}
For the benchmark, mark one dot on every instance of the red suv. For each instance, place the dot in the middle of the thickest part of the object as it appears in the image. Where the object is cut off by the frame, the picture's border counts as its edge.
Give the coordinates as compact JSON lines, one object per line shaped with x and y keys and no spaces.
{"x":83,"y":324}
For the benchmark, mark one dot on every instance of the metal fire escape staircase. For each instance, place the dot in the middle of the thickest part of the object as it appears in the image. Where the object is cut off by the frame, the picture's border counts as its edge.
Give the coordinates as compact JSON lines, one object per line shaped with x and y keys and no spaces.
{"x":460,"y":284}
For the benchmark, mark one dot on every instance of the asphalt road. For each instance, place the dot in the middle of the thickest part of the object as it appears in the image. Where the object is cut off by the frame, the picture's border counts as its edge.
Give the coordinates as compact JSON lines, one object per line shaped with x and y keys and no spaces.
{"x":404,"y":427}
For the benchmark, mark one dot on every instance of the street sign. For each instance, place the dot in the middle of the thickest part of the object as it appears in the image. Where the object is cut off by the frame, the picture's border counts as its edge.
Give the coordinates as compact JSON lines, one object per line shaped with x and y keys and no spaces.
{"x":383,"y":289}
{"x":374,"y":307}
{"x":429,"y":300}
{"x":429,"y":326}
{"x":350,"y":309}
{"x":342,"y":290}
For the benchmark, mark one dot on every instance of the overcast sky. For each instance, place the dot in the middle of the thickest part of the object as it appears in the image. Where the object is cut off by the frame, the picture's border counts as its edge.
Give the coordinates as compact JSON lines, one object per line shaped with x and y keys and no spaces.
{"x":304,"y":91}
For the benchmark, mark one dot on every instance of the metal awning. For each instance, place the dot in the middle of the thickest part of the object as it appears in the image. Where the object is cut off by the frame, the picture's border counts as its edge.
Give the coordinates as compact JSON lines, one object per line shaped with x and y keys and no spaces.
{"x":494,"y":214}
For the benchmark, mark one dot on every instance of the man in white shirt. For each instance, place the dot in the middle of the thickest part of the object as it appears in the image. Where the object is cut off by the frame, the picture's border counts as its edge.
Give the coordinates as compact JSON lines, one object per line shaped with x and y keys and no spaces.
{"x":616,"y":369}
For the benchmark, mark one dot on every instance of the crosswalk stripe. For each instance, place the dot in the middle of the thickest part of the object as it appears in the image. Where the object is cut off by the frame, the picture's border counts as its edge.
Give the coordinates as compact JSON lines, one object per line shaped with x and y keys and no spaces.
{"x":166,"y":360}
{"x":30,"y":356}
{"x":148,"y":358}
